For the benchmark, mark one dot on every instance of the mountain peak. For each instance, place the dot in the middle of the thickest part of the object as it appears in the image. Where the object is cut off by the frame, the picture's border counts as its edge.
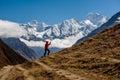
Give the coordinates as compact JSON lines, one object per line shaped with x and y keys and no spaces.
{"x":33,"y":23}
{"x":43,"y":24}
{"x":70,"y":20}
{"x":94,"y":15}
{"x":96,"y":18}
{"x":73,"y":19}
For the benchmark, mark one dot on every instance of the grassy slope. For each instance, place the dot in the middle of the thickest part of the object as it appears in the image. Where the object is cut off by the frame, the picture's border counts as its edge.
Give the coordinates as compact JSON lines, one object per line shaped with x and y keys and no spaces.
{"x":91,"y":57}
{"x":36,"y":71}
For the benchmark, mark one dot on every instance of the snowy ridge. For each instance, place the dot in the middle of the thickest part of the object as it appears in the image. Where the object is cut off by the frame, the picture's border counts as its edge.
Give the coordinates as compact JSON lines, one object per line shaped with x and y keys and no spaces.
{"x":61,"y":35}
{"x":66,"y":29}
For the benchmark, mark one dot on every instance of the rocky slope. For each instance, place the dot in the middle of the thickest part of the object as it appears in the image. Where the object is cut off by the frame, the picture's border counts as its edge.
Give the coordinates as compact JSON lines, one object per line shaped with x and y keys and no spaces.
{"x":20,"y":47}
{"x":9,"y":56}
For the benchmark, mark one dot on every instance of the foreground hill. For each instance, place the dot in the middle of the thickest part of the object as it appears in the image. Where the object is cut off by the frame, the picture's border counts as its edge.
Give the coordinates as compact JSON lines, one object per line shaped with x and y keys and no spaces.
{"x":9,"y":56}
{"x":97,"y":58}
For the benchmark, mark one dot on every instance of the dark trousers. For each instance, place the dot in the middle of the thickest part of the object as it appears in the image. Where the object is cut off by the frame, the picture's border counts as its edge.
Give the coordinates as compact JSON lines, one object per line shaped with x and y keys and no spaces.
{"x":46,"y":51}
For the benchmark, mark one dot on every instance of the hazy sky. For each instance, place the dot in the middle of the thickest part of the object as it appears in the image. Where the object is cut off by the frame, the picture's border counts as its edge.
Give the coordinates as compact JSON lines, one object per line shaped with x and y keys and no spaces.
{"x":54,"y":11}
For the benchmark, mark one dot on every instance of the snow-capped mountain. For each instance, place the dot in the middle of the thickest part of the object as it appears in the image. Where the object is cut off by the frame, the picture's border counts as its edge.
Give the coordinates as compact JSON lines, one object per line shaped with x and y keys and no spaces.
{"x":97,"y":18}
{"x":41,"y":27}
{"x":115,"y":19}
{"x":62,"y":35}
{"x":65,"y":29}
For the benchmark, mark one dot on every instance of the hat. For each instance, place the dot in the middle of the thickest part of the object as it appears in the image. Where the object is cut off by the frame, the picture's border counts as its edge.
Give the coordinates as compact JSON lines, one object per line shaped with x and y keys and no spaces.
{"x":47,"y":40}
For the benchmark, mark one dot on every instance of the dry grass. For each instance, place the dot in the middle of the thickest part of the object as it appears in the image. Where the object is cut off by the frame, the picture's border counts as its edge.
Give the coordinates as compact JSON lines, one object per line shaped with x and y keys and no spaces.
{"x":86,"y":58}
{"x":35,"y":70}
{"x":89,"y":59}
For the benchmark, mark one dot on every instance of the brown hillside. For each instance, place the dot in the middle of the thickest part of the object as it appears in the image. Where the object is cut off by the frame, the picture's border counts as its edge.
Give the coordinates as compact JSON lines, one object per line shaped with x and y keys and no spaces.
{"x":97,"y":58}
{"x":9,"y":56}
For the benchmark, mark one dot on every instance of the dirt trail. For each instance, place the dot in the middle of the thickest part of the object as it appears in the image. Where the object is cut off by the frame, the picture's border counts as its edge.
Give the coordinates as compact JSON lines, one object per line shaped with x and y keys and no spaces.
{"x":111,"y":59}
{"x":4,"y":72}
{"x":61,"y":72}
{"x":114,"y":60}
{"x":25,"y":73}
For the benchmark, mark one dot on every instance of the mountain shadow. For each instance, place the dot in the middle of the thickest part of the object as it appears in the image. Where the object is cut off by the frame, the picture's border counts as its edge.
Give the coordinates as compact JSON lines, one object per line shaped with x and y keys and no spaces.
{"x":20,"y":47}
{"x":9,"y":56}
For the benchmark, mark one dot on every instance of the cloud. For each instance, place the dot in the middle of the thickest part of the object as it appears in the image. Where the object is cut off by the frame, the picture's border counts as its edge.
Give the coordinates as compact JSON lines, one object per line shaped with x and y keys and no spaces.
{"x":11,"y":29}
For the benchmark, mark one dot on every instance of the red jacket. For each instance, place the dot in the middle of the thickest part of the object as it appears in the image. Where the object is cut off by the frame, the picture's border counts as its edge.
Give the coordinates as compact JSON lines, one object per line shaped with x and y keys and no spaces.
{"x":47,"y":45}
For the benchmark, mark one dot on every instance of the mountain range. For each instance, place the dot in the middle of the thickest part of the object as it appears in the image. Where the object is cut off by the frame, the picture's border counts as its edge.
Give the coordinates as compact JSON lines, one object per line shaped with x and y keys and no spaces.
{"x":61,"y":35}
{"x":37,"y":31}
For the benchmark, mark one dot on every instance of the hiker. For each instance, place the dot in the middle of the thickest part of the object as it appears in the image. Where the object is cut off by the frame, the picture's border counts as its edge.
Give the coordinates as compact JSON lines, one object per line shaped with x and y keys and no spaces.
{"x":46,"y":47}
